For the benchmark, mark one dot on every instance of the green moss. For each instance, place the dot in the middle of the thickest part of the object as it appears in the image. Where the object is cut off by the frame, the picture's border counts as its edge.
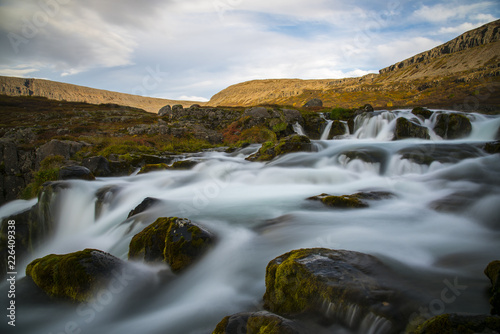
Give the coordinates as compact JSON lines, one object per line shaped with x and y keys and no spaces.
{"x":184,"y":164}
{"x":346,"y":201}
{"x":49,"y":171}
{"x":152,"y":167}
{"x":463,"y":324}
{"x":221,"y":326}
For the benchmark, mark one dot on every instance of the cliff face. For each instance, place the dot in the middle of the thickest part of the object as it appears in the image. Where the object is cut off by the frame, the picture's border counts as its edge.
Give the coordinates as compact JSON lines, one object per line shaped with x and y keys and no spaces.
{"x":73,"y":93}
{"x":443,"y":76}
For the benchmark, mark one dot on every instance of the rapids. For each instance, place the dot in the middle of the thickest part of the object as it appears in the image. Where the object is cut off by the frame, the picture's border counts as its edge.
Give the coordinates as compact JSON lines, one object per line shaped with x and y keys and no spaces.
{"x":442,"y":226}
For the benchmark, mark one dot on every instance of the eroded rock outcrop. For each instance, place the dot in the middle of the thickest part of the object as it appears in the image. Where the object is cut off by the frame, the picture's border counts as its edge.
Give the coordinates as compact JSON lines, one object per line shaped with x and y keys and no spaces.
{"x":270,"y":150}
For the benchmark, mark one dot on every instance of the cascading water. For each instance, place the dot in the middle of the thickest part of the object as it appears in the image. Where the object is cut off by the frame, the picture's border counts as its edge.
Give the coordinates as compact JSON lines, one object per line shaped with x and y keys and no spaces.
{"x":441,"y":226}
{"x":326,"y":131}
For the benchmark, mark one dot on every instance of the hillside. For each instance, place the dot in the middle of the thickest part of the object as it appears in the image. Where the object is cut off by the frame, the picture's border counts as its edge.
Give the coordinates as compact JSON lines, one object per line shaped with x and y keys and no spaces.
{"x":72,"y":93}
{"x":463,"y":69}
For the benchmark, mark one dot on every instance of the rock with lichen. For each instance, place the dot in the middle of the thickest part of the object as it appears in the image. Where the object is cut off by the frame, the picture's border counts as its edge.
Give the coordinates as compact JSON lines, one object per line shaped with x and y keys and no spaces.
{"x":354,"y":201}
{"x":175,"y":241}
{"x":460,"y":324}
{"x":290,"y":144}
{"x":76,"y":276}
{"x":452,"y":126}
{"x":258,"y":322}
{"x":341,"y":286}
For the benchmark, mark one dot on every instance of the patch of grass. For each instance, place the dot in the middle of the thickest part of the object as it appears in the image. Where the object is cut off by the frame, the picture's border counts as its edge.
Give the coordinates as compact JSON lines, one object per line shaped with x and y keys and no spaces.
{"x":49,"y":171}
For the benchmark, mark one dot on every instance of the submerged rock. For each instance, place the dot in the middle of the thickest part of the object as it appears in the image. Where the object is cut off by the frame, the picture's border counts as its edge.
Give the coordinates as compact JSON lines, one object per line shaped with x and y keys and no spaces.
{"x":408,"y":129}
{"x":460,"y":324}
{"x":346,"y":287}
{"x":351,"y":201}
{"x":270,"y":150}
{"x":493,"y":273}
{"x":74,"y":276}
{"x":184,"y":164}
{"x":492,"y":147}
{"x":146,"y":204}
{"x":256,"y":323}
{"x":452,"y":126}
{"x":176,"y":241}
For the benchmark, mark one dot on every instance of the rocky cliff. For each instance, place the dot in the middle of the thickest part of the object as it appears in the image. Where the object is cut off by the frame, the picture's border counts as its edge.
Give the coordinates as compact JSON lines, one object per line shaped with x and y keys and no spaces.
{"x":457,"y":71}
{"x":73,"y":93}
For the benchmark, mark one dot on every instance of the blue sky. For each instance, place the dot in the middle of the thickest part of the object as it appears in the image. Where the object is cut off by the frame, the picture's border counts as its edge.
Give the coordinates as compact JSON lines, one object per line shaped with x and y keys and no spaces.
{"x":191,"y":49}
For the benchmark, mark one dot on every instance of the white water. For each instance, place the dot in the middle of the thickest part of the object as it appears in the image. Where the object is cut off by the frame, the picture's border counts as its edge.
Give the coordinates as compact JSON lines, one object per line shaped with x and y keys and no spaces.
{"x":259,"y":211}
{"x":326,"y":131}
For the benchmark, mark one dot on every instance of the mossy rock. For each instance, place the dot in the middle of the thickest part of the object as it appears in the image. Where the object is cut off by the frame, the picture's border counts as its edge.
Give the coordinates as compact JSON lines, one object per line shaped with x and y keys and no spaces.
{"x":452,"y":126}
{"x":354,"y":201}
{"x":290,"y":144}
{"x":258,"y":323}
{"x":331,"y":284}
{"x":493,"y":273}
{"x":184,"y":164}
{"x":146,"y":204}
{"x":175,"y":241}
{"x":152,"y":168}
{"x":408,"y":129}
{"x":443,"y":153}
{"x":422,"y":112}
{"x":76,"y":276}
{"x":492,"y":147}
{"x":460,"y":324}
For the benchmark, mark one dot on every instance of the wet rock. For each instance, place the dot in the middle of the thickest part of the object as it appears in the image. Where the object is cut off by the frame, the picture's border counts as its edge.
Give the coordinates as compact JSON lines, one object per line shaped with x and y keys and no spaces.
{"x":338,"y":129}
{"x":98,"y":165}
{"x":452,"y":126}
{"x":314,"y":125}
{"x":152,"y":168}
{"x":314,"y":103}
{"x":258,"y":322}
{"x":354,"y":201}
{"x":175,"y":241}
{"x":146,"y":204}
{"x":74,"y":276}
{"x":372,"y":155}
{"x":460,"y":324}
{"x":493,"y":273}
{"x":408,"y":129}
{"x":76,"y":173}
{"x":184,"y":164}
{"x":341,"y":286}
{"x":270,"y":150}
{"x":492,"y":147}
{"x":422,"y":112}
{"x":104,"y":198}
{"x":443,"y":153}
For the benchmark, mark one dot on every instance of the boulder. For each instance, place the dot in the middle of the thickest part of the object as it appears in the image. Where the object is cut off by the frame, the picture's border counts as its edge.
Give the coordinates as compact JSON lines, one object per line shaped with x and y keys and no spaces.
{"x":346,"y":287}
{"x":258,"y":322}
{"x":64,"y":148}
{"x":146,"y":204}
{"x":292,"y":116}
{"x":444,"y":153}
{"x":337,"y":129}
{"x":452,"y":126}
{"x":270,"y":150}
{"x":76,"y":173}
{"x":460,"y":324}
{"x":104,"y":197}
{"x":354,"y":201}
{"x":314,"y":103}
{"x":422,"y":112}
{"x":492,"y":147}
{"x":314,"y":125}
{"x":177,"y":108}
{"x":175,"y":241}
{"x":257,"y":112}
{"x":184,"y":164}
{"x":76,"y":276}
{"x":152,"y":168}
{"x":165,"y":111}
{"x":493,"y":273}
{"x":98,"y":165}
{"x":407,"y":129}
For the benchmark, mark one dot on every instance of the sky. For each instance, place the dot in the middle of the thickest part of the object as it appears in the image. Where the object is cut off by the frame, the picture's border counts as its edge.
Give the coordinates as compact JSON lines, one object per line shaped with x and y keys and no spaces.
{"x":192,"y":49}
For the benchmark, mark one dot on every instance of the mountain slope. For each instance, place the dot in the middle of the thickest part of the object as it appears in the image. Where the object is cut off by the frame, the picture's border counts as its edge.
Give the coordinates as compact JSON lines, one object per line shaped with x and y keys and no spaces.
{"x":73,"y":93}
{"x":443,"y":76}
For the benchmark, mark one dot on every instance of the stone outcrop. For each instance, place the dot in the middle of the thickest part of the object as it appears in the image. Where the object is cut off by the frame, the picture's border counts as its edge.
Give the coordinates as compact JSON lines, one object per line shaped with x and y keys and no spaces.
{"x":452,"y":126}
{"x":16,"y":165}
{"x":408,"y":129}
{"x":290,"y":144}
{"x":258,"y":322}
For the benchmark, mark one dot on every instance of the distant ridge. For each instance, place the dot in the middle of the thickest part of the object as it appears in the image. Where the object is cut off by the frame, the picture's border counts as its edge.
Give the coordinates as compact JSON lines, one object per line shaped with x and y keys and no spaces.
{"x":73,"y":93}
{"x":443,"y":76}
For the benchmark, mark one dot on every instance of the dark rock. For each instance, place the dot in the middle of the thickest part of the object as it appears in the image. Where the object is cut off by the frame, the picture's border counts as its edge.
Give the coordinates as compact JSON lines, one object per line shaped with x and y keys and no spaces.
{"x":460,"y":324}
{"x":341,"y":286}
{"x":99,"y":166}
{"x":407,"y":129}
{"x":314,"y":103}
{"x":146,"y":204}
{"x":104,"y":198}
{"x":422,"y":112}
{"x":76,"y":173}
{"x":165,"y":111}
{"x":176,"y":241}
{"x":338,"y":129}
{"x":452,"y":126}
{"x":76,"y":276}
{"x":354,"y":201}
{"x":152,"y":168}
{"x":492,"y":147}
{"x":64,"y":148}
{"x":368,"y":108}
{"x":177,"y":108}
{"x":270,"y":150}
{"x":314,"y":125}
{"x":194,"y":106}
{"x":121,"y":168}
{"x":444,"y":153}
{"x":292,"y":116}
{"x":493,"y":273}
{"x":258,"y":322}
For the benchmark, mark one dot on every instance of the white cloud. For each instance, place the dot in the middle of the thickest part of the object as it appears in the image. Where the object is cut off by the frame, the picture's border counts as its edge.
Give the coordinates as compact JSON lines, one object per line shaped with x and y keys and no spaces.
{"x":17,"y":72}
{"x":193,"y":98}
{"x":449,"y":10}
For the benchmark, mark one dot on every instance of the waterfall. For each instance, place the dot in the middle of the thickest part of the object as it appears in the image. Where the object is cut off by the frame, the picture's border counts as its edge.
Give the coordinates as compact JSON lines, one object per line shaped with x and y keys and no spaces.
{"x":440,"y":224}
{"x":299,"y":129}
{"x":326,"y":131}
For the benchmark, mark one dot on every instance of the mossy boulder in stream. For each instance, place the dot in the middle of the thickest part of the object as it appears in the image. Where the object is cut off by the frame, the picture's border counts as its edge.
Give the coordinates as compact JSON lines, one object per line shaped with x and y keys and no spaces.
{"x":493,"y":273}
{"x":408,"y":129}
{"x":76,"y":276}
{"x":257,"y":323}
{"x":452,"y":126}
{"x":176,"y":241}
{"x":290,"y":144}
{"x":460,"y":324}
{"x":422,"y":112}
{"x":354,"y":201}
{"x":346,"y":287}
